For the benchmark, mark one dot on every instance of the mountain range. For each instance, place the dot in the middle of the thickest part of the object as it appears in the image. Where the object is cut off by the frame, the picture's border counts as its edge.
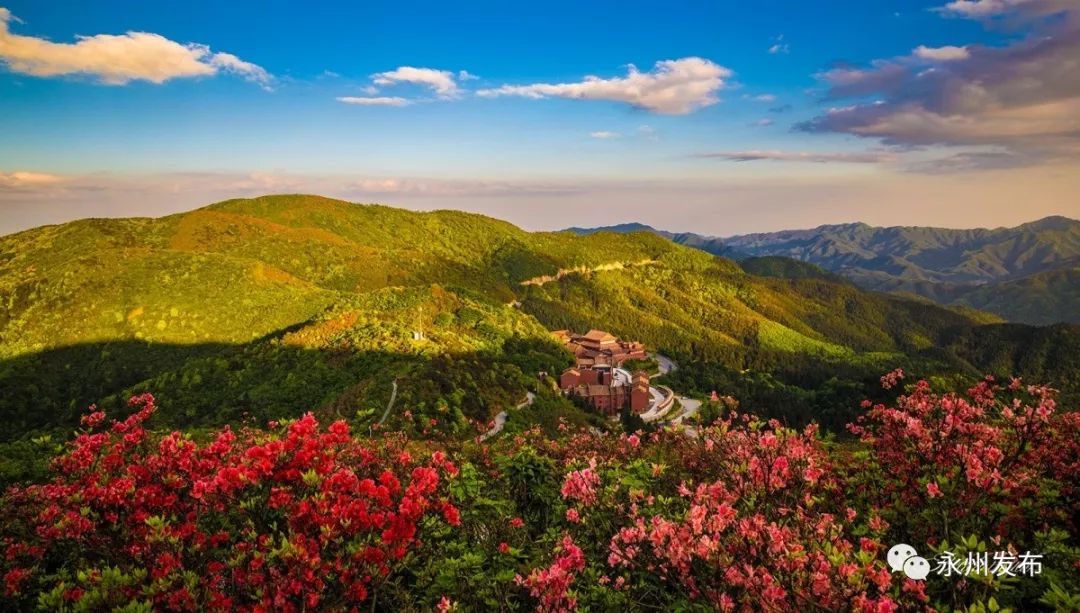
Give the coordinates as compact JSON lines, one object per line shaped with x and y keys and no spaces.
{"x":268,"y":307}
{"x":1029,"y":273}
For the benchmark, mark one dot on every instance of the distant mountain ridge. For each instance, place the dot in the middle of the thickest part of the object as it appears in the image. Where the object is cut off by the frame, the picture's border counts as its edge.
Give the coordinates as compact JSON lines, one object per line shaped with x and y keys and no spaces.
{"x":962,"y":267}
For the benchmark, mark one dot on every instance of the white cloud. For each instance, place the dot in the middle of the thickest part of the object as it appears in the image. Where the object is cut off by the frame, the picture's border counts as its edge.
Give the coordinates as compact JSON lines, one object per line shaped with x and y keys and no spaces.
{"x":762,"y":98}
{"x":266,"y":182}
{"x":764,"y":121}
{"x":979,"y":8}
{"x":604,"y":134}
{"x":673,"y":87}
{"x":754,"y":155}
{"x":379,"y":186}
{"x":118,"y":59}
{"x":442,"y":82}
{"x":374,"y":101}
{"x":444,"y":188}
{"x":27,"y":180}
{"x":941,"y":54}
{"x":779,"y":46}
{"x":228,"y":62}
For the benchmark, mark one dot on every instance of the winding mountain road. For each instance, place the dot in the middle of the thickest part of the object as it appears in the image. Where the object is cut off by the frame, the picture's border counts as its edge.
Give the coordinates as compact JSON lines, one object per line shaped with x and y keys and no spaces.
{"x":389,"y":405}
{"x":500,"y":419}
{"x":666,"y":364}
{"x":690,"y":408}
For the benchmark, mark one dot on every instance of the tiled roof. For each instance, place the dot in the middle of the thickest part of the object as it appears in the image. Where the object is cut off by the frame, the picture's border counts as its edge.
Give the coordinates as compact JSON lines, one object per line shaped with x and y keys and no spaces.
{"x":599,"y":335}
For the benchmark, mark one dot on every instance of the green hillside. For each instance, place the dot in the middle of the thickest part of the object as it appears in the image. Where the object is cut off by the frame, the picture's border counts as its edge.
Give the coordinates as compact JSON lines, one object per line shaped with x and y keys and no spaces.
{"x":1042,"y":298}
{"x":267,"y":307}
{"x":1025,"y":274}
{"x":786,"y":268}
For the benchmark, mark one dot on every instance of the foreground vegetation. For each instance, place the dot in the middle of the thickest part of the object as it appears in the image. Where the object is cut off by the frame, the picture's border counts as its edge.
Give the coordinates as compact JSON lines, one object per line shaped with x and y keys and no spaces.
{"x":746,"y":514}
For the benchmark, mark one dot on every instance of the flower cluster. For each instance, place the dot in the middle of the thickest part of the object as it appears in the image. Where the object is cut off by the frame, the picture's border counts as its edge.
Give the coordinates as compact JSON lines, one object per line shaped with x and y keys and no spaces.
{"x":551,"y":586}
{"x":757,"y":535}
{"x":977,"y":462}
{"x":580,"y":485}
{"x":283,"y":520}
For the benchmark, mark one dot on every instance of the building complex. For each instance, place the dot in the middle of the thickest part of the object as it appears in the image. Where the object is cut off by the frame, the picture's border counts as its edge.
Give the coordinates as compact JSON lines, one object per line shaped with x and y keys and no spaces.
{"x":597,"y":376}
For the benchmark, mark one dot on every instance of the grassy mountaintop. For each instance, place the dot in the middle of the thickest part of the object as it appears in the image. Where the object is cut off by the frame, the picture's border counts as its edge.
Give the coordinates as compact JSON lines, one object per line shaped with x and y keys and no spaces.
{"x":275,"y":305}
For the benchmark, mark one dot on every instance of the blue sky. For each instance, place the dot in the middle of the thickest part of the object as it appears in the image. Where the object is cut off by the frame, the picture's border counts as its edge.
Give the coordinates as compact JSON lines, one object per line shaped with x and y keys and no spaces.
{"x":744,"y":142}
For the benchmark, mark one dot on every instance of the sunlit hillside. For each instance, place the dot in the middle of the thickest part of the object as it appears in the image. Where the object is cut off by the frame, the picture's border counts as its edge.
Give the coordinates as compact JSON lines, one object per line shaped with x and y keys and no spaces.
{"x":272,"y":306}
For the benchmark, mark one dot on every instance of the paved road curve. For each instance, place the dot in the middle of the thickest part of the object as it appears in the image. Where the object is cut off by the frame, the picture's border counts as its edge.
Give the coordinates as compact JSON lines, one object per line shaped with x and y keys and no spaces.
{"x":690,"y":408}
{"x":500,"y":419}
{"x":666,"y":364}
{"x":389,"y":405}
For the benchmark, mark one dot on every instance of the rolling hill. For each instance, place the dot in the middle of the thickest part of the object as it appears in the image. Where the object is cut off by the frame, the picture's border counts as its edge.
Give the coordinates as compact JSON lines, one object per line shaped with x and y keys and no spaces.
{"x":268,"y":307}
{"x":1024,"y":274}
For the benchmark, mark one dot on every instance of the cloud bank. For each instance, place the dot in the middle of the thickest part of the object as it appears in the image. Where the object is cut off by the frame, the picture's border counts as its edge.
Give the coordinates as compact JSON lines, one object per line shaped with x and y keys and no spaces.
{"x":27,"y":180}
{"x":1023,"y":97}
{"x":863,"y":157}
{"x":720,"y":205}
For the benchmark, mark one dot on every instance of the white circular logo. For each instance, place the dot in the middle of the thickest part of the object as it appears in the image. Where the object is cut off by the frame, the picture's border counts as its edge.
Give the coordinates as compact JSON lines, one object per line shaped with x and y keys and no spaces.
{"x":898,"y":554}
{"x":916,"y":568}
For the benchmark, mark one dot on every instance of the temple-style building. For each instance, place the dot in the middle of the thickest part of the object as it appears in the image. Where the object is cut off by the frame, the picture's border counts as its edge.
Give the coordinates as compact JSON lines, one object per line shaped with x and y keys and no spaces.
{"x":598,"y":348}
{"x":597,"y":376}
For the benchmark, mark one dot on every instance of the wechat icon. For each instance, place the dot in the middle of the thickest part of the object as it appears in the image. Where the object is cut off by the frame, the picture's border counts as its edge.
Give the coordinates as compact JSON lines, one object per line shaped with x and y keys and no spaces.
{"x":904,"y":558}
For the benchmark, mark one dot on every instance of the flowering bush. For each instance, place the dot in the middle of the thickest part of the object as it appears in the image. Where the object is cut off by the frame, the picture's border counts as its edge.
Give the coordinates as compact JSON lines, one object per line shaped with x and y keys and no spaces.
{"x":994,"y":467}
{"x":743,"y":514}
{"x":759,"y":533}
{"x":551,"y":586}
{"x":282,"y":520}
{"x":977,"y":461}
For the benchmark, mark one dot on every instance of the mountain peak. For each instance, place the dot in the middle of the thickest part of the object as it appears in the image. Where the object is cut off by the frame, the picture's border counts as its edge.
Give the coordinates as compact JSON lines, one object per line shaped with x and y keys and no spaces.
{"x":276,"y":201}
{"x":621,"y":228}
{"x":1053,"y":222}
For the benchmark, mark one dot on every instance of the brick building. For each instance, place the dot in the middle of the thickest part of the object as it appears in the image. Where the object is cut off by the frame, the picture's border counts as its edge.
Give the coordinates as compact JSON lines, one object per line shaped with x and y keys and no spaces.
{"x":605,"y":392}
{"x":639,"y":392}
